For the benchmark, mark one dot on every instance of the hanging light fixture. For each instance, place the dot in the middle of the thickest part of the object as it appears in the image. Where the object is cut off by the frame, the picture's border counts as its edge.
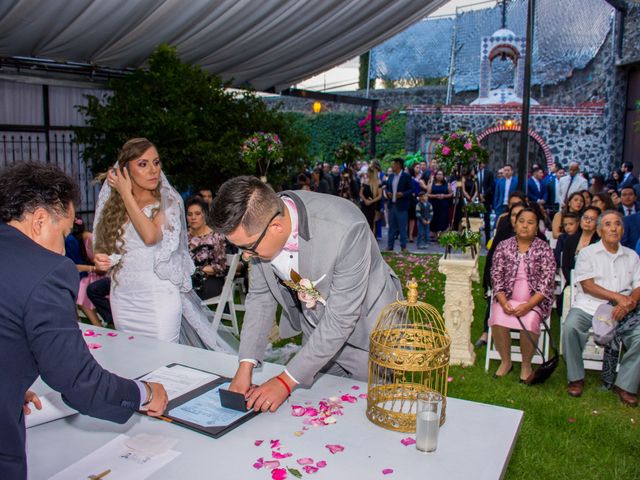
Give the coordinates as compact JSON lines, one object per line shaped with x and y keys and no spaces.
{"x":317,"y":106}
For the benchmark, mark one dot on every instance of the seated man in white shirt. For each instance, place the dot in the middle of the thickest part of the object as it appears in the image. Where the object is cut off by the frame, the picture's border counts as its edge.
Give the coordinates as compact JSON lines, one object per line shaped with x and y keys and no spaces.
{"x":605,"y":272}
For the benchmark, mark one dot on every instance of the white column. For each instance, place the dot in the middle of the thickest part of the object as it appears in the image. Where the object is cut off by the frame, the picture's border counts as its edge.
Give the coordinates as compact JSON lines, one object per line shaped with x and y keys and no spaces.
{"x":460,"y":271}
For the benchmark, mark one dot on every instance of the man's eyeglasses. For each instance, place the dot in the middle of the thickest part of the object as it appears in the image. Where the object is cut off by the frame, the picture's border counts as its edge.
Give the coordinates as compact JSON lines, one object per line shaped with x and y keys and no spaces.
{"x":589,"y":219}
{"x":252,"y":248}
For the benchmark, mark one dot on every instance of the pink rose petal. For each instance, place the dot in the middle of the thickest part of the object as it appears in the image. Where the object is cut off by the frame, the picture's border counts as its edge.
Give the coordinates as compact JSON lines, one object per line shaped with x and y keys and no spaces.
{"x":271,"y":464}
{"x":111,"y":334}
{"x":321,"y":464}
{"x":259,"y":463}
{"x":131,"y":337}
{"x":94,"y":346}
{"x":363,"y":395}
{"x":355,"y":387}
{"x":89,"y":333}
{"x":311,"y":412}
{"x":278,"y":474}
{"x":335,"y":448}
{"x":297,"y":410}
{"x":449,"y":379}
{"x":348,"y":398}
{"x":275,"y":444}
{"x":257,"y":443}
{"x":387,"y":471}
{"x":305,"y":461}
{"x":310,"y":469}
{"x":279,"y":455}
{"x":408,"y":441}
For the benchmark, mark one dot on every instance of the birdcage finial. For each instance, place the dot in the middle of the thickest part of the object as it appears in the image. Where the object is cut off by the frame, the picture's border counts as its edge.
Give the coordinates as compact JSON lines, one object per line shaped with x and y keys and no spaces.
{"x":412,"y":291}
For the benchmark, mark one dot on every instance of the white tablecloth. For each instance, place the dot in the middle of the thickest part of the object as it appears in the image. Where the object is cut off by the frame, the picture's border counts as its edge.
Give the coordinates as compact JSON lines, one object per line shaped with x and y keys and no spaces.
{"x":475,"y":442}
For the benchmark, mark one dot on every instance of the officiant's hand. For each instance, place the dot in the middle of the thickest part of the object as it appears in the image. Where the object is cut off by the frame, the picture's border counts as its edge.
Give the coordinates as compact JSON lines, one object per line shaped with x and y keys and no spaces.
{"x":31,"y":397}
{"x":241,"y":382}
{"x":268,"y":396}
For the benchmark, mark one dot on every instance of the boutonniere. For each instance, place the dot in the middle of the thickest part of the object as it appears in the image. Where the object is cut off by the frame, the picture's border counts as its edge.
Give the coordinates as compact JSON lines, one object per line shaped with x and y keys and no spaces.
{"x":307,"y":292}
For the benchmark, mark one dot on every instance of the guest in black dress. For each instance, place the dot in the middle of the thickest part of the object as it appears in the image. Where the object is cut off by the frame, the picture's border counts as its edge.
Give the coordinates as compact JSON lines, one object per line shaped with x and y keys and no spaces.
{"x":440,"y":194}
{"x":370,"y":196}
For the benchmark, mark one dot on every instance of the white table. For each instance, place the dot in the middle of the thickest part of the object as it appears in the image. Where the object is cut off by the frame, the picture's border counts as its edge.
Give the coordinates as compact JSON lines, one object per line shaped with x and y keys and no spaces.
{"x":475,"y":442}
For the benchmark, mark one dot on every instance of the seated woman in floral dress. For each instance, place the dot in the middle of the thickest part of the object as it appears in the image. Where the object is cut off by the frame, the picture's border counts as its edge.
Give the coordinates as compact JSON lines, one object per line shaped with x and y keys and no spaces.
{"x":207,"y":250}
{"x":523,"y":276}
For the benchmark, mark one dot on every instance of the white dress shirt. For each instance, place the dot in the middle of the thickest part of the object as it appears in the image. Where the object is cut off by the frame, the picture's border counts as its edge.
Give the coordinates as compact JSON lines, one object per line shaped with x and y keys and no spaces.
{"x":618,"y":272}
{"x":507,"y":185}
{"x":285,"y":261}
{"x":566,"y":187}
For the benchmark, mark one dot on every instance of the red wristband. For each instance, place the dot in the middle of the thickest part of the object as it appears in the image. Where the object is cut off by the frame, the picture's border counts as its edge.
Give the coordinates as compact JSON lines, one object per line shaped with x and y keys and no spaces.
{"x":285,"y":384}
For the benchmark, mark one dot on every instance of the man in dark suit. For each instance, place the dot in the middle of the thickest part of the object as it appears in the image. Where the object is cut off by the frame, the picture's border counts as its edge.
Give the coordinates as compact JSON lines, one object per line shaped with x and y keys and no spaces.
{"x":399,"y":190}
{"x":628,"y":202}
{"x":536,"y":189}
{"x":39,"y":333}
{"x":631,"y":231}
{"x":486,"y":184}
{"x":505,"y":186}
{"x":628,"y":178}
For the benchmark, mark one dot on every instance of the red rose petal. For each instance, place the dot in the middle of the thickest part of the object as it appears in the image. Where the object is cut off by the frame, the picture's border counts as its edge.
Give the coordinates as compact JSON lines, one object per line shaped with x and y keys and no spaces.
{"x":111,"y":334}
{"x":387,"y":471}
{"x":131,"y":337}
{"x":355,"y":387}
{"x":89,"y":333}
{"x":278,"y":474}
{"x":257,"y":443}
{"x":94,"y":346}
{"x":408,"y":441}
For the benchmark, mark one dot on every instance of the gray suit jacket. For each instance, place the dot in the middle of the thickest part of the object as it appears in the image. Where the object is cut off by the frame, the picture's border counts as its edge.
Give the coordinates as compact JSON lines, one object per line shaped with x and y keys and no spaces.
{"x":334,"y":240}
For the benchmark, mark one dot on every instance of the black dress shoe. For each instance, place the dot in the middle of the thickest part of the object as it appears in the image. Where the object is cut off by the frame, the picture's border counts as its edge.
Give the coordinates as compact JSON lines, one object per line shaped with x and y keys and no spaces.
{"x":495,"y":375}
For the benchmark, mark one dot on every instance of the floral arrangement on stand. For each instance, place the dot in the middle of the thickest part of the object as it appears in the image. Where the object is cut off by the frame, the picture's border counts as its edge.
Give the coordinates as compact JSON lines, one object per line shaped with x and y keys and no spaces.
{"x":475,"y":209}
{"x":453,"y":240}
{"x":347,"y":153}
{"x":460,"y":148}
{"x":260,"y":150}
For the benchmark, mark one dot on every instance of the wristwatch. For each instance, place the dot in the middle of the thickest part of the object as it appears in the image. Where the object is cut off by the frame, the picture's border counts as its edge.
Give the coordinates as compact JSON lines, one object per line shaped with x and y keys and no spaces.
{"x":149,"y":394}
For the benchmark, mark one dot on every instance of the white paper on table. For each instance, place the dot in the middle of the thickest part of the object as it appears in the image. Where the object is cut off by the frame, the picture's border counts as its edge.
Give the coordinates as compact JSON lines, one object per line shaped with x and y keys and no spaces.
{"x":207,"y":411}
{"x":121,"y":460}
{"x":53,"y":408}
{"x":178,"y":380}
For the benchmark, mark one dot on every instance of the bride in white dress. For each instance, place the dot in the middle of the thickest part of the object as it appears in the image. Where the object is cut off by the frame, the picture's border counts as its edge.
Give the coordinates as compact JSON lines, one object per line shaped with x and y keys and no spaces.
{"x":140,"y":234}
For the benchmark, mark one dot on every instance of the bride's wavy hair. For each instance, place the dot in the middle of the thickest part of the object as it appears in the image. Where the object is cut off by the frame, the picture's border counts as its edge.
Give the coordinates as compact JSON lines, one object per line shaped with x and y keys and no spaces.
{"x":113,"y":218}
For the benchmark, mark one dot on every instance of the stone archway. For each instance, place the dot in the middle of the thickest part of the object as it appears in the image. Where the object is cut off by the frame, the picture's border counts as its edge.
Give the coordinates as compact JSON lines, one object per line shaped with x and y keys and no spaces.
{"x":542,"y":146}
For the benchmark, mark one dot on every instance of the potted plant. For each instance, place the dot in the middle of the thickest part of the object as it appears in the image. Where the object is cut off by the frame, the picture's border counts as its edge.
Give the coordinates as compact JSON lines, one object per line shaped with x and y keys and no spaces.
{"x":460,"y":241}
{"x":476,"y":210}
{"x":260,"y":150}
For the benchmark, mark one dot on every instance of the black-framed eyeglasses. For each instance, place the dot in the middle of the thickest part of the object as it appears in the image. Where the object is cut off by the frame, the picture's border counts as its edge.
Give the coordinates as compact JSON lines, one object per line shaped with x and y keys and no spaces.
{"x":252,"y":248}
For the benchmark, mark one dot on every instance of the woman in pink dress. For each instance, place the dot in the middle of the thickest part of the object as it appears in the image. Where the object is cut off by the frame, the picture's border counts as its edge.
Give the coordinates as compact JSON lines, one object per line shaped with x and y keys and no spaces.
{"x":523,"y":276}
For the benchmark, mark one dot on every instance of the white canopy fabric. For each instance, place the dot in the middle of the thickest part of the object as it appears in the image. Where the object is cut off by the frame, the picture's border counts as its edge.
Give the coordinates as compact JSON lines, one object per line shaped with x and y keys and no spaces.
{"x":264,"y":43}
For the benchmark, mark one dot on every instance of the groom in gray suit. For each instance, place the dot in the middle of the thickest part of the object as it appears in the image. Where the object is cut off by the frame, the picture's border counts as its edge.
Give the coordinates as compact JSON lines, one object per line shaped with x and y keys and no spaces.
{"x":328,"y":242}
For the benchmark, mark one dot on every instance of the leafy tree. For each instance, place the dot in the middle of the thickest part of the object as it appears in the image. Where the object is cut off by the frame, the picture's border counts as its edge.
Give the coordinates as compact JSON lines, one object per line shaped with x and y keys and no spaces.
{"x":197,"y":124}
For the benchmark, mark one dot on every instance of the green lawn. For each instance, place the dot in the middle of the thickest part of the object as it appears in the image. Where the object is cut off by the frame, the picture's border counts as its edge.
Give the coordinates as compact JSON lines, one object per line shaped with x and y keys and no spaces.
{"x":594,"y":436}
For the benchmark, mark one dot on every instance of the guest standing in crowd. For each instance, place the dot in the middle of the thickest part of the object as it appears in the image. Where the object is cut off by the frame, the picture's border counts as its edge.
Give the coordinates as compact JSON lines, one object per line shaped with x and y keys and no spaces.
{"x":574,"y":204}
{"x":605,"y":272}
{"x":348,"y":187}
{"x":207,"y":195}
{"x":536,"y":189}
{"x":572,"y":183}
{"x":424,"y":213}
{"x":413,"y":199}
{"x":370,"y":196}
{"x":628,"y":201}
{"x":39,"y":334}
{"x":318,"y":182}
{"x":504,"y":187}
{"x":440,"y":194}
{"x":523,"y":276}
{"x":469,"y":185}
{"x":598,"y":184}
{"x":207,"y":250}
{"x":628,"y":178}
{"x":399,"y":190}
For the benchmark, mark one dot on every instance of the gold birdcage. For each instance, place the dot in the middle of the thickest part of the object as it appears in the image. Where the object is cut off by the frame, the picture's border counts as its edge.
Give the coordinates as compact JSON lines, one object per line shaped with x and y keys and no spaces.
{"x":408,"y":354}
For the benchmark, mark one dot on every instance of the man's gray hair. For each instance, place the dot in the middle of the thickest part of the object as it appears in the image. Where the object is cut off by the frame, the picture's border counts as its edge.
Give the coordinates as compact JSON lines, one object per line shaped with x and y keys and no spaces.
{"x":609,"y":212}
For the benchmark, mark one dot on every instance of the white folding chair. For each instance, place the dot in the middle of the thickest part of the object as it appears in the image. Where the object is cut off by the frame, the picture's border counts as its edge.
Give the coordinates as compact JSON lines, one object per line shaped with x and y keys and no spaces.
{"x":516,"y":355}
{"x":225,"y":299}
